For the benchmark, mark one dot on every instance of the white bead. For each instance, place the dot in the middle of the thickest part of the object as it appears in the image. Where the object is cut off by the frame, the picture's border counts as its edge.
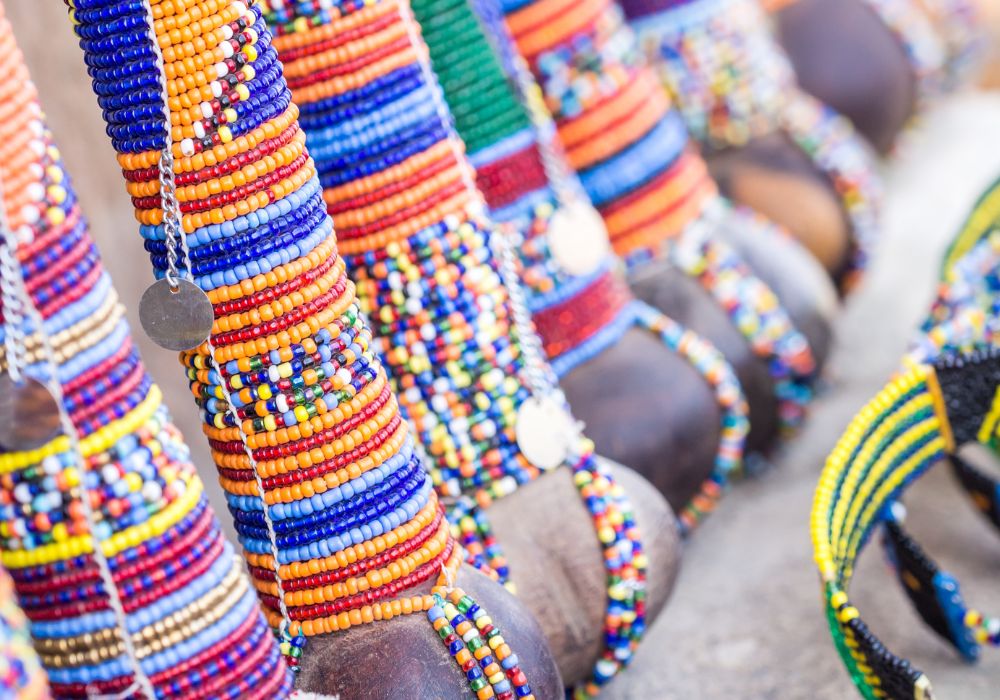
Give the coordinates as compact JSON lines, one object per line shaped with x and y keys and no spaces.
{"x":281,"y":402}
{"x":199,"y":130}
{"x":206,"y":110}
{"x":216,"y":85}
{"x":187,"y":147}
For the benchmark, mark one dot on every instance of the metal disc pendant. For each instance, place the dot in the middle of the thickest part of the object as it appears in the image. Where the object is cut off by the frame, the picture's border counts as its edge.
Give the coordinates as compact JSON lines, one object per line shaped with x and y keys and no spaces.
{"x":178,"y":319}
{"x":29,"y":414}
{"x":577,"y":238}
{"x":544,"y":431}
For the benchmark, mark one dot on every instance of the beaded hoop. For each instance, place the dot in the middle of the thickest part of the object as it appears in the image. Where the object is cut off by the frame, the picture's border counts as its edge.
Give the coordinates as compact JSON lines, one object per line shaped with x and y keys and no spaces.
{"x":116,"y":556}
{"x":920,"y":418}
{"x":732,"y":83}
{"x":334,"y":510}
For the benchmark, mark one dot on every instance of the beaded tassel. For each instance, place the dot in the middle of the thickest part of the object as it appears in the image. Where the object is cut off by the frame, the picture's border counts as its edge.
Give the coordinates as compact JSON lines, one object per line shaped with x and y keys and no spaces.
{"x":335,"y":512}
{"x":191,"y":614}
{"x":732,"y":83}
{"x":401,"y":194}
{"x":527,"y":183}
{"x":635,"y":161}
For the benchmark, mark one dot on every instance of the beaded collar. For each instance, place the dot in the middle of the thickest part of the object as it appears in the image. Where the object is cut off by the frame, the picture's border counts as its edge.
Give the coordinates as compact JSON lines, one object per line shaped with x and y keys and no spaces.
{"x":528,"y":184}
{"x":441,"y":293}
{"x":163,"y":569}
{"x":335,"y":513}
{"x":920,"y":418}
{"x":732,"y":83}
{"x":638,"y":167}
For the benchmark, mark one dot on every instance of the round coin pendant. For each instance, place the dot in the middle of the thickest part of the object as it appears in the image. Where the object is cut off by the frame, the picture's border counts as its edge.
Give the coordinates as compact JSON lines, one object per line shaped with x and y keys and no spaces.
{"x":577,"y":238}
{"x":544,"y":431}
{"x":29,"y":414}
{"x":176,"y":319}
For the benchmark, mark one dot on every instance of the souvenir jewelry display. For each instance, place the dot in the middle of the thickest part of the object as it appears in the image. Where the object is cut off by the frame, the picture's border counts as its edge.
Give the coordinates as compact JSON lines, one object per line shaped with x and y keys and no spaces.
{"x":440,"y":284}
{"x":920,"y":418}
{"x":336,"y":515}
{"x":578,"y":300}
{"x":635,"y":162}
{"x":117,"y":559}
{"x":732,"y":83}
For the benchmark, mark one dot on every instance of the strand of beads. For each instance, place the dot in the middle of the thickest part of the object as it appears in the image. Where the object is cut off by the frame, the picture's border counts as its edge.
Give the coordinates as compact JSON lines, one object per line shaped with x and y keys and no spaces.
{"x":336,"y":515}
{"x":21,"y":674}
{"x":732,"y":83}
{"x":412,"y":231}
{"x":191,"y":617}
{"x":526,"y":182}
{"x":635,"y":161}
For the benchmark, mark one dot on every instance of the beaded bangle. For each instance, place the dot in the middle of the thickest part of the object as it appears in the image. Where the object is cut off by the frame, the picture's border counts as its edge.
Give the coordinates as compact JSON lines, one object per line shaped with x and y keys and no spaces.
{"x":311,"y":450}
{"x":183,"y":609}
{"x":732,"y":83}
{"x":921,"y":417}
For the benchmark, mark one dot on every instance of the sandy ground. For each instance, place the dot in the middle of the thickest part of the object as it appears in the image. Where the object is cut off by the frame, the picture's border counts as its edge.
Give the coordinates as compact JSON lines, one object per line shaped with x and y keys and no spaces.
{"x":746,"y":619}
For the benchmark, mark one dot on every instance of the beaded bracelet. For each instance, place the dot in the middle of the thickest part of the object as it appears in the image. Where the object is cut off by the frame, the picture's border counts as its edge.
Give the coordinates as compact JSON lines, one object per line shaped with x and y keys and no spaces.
{"x":141,"y":492}
{"x":316,"y":463}
{"x":577,"y":316}
{"x":921,"y":417}
{"x":732,"y":83}
{"x":655,"y":193}
{"x":440,"y":297}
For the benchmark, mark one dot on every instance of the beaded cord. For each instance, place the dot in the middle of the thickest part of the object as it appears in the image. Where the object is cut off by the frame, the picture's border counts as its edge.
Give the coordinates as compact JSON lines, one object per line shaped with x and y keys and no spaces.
{"x":577,"y":316}
{"x":636,"y":163}
{"x":732,"y":83}
{"x":435,"y":288}
{"x":921,"y":417}
{"x":142,"y":492}
{"x":335,"y":513}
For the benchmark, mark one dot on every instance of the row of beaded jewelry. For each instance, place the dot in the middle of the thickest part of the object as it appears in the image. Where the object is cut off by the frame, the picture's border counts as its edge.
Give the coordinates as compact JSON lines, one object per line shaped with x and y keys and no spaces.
{"x":336,"y":515}
{"x":401,"y":193}
{"x":732,"y":83}
{"x":636,"y":163}
{"x":581,"y":313}
{"x":192,"y":618}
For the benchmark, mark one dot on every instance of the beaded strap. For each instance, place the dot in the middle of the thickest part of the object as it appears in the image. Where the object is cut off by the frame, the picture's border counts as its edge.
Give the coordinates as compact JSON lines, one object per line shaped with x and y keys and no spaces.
{"x":732,"y":83}
{"x":162,"y":606}
{"x":637,"y":165}
{"x":919,"y":418}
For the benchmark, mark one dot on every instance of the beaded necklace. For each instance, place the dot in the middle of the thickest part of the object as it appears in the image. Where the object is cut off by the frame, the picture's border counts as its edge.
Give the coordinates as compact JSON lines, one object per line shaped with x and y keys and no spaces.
{"x":579,"y":304}
{"x":334,"y":511}
{"x":122,"y":599}
{"x":732,"y":83}
{"x":440,"y":284}
{"x":634,"y":159}
{"x":920,"y":418}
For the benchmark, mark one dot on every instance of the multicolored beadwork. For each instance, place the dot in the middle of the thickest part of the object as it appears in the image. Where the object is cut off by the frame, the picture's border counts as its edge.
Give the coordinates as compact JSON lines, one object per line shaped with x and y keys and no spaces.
{"x":637,"y":165}
{"x":21,"y":674}
{"x":192,"y":616}
{"x":426,"y":262}
{"x":526,"y":181}
{"x":337,"y":517}
{"x":732,"y":83}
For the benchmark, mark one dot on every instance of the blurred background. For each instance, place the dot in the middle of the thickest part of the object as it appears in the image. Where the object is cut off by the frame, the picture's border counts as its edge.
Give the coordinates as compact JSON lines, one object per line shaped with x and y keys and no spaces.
{"x":746,"y":619}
